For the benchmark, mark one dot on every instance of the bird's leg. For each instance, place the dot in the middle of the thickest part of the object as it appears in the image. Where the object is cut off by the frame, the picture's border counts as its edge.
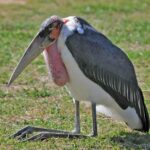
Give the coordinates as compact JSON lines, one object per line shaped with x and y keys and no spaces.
{"x":94,"y":121}
{"x":47,"y":133}
{"x":23,"y":133}
{"x":77,"y":118}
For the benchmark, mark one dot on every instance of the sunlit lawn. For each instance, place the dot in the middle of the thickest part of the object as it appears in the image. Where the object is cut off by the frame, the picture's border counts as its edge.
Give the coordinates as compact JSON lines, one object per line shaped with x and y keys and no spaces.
{"x":34,"y":99}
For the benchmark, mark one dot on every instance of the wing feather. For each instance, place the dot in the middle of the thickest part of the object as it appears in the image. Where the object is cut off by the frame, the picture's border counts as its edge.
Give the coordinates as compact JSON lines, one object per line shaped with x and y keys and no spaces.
{"x":109,"y":67}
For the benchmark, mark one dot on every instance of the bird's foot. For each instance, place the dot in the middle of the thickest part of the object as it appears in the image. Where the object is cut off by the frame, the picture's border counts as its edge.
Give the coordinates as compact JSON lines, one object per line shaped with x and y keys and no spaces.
{"x":23,"y":134}
{"x":47,"y":135}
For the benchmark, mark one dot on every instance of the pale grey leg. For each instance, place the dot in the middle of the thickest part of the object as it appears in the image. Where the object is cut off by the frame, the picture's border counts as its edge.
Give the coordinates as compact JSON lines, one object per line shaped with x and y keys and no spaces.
{"x":77,"y":117}
{"x":48,"y":133}
{"x":23,"y":133}
{"x":94,"y":131}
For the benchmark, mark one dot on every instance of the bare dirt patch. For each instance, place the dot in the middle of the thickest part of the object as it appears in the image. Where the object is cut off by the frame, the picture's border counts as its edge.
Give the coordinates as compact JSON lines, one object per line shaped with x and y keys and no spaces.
{"x":12,"y":1}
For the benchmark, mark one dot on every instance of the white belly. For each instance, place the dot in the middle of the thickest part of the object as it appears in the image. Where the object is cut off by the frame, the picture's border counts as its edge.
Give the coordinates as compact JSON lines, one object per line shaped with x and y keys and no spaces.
{"x":81,"y":88}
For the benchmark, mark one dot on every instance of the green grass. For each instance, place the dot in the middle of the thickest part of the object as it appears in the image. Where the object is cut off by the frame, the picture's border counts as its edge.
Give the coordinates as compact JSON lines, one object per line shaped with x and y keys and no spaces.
{"x":28,"y":102}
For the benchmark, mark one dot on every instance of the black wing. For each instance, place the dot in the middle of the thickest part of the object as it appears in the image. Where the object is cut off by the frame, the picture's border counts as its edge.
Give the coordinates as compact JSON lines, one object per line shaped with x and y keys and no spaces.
{"x":109,"y":67}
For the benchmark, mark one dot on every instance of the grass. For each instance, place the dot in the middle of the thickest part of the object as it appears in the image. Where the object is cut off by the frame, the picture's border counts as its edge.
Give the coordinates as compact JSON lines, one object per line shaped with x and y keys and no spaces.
{"x":28,"y":102}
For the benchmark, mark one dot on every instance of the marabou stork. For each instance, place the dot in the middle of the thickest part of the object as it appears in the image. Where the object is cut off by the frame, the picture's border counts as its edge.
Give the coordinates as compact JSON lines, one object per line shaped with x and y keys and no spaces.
{"x":92,"y":68}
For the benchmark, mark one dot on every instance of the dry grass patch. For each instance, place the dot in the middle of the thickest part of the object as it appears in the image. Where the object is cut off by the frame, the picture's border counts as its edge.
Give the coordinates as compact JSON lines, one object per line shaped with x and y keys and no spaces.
{"x":12,"y":1}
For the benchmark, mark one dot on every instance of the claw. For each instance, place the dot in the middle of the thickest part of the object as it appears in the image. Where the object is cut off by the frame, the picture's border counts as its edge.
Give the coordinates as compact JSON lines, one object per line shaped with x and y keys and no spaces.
{"x":41,"y":137}
{"x":22,"y":133}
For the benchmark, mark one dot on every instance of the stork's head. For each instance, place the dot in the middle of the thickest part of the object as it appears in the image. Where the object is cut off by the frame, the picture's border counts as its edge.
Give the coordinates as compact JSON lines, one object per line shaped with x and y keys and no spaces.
{"x":48,"y":35}
{"x":50,"y":30}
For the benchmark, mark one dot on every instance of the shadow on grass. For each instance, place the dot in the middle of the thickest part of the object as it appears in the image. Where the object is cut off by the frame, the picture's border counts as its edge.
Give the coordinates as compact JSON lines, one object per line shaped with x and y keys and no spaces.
{"x":133,"y":140}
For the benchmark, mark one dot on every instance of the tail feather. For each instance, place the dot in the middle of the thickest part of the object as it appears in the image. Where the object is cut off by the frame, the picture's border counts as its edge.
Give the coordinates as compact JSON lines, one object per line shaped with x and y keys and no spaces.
{"x":143,"y":113}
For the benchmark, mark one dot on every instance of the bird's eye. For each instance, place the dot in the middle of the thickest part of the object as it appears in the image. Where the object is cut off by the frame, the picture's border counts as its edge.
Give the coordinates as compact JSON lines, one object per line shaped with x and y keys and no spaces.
{"x":50,"y":29}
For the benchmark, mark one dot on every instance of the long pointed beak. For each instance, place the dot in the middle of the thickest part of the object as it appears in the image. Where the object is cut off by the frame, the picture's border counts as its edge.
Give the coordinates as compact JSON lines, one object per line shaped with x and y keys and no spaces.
{"x":33,"y":50}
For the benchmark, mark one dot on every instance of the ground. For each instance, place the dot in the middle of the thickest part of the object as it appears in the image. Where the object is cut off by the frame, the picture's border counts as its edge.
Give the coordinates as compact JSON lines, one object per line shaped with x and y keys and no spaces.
{"x":34,"y":100}
{"x":12,"y":1}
